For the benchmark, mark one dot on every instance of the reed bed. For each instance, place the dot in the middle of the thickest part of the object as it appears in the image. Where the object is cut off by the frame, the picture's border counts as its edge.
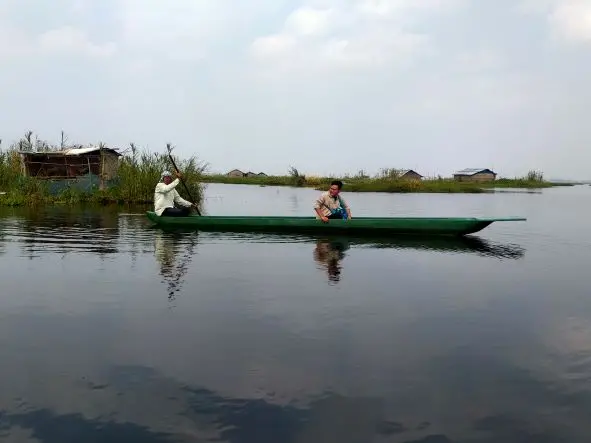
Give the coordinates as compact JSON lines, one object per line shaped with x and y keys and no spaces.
{"x":139,"y":171}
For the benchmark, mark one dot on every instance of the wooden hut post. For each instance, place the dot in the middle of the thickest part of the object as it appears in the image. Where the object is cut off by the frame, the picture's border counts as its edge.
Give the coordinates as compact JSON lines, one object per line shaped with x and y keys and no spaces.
{"x":102,"y":168}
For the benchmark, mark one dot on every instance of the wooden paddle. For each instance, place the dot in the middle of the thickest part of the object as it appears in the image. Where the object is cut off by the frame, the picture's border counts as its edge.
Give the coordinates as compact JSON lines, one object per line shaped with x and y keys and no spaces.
{"x":169,"y":149}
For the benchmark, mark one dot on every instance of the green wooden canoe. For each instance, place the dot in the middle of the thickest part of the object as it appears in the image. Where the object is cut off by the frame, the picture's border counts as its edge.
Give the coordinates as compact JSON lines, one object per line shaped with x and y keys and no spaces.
{"x":355,"y":226}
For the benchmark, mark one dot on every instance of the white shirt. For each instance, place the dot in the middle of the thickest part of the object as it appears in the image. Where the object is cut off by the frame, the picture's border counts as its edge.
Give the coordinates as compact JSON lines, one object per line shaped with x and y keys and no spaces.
{"x":165,"y":196}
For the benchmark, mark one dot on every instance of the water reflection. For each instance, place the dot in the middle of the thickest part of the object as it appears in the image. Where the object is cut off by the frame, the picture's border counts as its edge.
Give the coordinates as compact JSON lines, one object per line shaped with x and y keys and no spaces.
{"x":156,"y":408}
{"x":108,"y":232}
{"x":446,"y":244}
{"x":105,"y":232}
{"x":175,"y":246}
{"x":48,"y":426}
{"x":460,"y":245}
{"x":174,"y":251}
{"x":330,"y":251}
{"x":328,"y":417}
{"x":207,"y":415}
{"x":64,"y":230}
{"x":328,"y":254}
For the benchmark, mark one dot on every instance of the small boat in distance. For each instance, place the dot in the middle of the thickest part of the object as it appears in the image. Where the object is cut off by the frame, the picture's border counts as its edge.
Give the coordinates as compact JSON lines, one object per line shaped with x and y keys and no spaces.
{"x":456,"y":226}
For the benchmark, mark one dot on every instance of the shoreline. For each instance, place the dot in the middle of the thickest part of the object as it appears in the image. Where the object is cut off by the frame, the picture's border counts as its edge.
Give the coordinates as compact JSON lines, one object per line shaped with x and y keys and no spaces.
{"x":136,"y":174}
{"x":114,"y":197}
{"x":447,"y":186}
{"x":16,"y":200}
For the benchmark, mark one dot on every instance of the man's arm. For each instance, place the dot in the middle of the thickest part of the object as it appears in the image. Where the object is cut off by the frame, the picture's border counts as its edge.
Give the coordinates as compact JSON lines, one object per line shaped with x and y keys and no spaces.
{"x":321,"y":215}
{"x":317,"y":205}
{"x":161,"y":188}
{"x":181,"y":201}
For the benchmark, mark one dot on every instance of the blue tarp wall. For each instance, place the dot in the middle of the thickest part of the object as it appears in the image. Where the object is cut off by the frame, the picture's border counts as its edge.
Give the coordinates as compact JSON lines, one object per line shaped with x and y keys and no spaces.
{"x":85,"y":183}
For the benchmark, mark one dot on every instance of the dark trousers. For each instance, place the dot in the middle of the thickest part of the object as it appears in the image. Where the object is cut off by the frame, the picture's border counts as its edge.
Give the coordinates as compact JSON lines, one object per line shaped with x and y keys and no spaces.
{"x":176,"y":212}
{"x":339,"y":214}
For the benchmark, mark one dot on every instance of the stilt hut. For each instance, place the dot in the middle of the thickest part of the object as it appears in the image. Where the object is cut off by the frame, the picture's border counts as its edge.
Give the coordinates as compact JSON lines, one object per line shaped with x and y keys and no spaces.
{"x":88,"y":167}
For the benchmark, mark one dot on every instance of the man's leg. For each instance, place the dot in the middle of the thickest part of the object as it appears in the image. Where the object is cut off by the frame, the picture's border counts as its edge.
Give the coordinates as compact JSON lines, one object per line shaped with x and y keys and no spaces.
{"x":336,"y":215}
{"x":185,"y":212}
{"x":175,"y":212}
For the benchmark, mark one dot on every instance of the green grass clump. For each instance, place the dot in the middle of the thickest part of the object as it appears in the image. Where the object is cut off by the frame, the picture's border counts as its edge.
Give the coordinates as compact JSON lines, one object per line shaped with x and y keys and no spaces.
{"x":139,"y":173}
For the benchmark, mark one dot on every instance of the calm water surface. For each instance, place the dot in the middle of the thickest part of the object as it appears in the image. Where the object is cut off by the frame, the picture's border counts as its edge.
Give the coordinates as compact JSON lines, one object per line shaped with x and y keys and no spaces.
{"x":114,"y":331}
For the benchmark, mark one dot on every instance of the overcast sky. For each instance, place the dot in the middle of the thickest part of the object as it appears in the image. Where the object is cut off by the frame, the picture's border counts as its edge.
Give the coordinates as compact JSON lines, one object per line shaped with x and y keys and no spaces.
{"x":328,"y":86}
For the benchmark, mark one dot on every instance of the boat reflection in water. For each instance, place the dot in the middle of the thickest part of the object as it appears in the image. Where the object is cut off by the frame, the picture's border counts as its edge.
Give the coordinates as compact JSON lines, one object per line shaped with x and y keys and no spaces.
{"x":457,"y":245}
{"x":175,"y":246}
{"x":330,"y":251}
{"x":447,"y":244}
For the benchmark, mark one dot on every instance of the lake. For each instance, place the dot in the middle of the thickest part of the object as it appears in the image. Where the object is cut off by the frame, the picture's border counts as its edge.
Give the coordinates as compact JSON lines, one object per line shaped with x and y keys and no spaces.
{"x":113,"y":330}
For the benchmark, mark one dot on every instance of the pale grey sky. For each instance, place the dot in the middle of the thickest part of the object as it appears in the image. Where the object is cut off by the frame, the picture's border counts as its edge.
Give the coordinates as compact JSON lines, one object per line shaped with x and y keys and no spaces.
{"x":328,"y":86}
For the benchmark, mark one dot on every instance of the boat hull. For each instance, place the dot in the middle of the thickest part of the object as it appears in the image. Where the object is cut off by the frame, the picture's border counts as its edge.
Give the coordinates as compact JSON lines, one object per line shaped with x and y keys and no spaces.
{"x":357,"y":226}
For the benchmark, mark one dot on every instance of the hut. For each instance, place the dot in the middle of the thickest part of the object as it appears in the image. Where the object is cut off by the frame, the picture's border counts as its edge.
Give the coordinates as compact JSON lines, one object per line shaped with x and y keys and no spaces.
{"x":235,"y":173}
{"x":409,"y":174}
{"x":239,"y":173}
{"x":475,"y":175}
{"x":87,"y":166}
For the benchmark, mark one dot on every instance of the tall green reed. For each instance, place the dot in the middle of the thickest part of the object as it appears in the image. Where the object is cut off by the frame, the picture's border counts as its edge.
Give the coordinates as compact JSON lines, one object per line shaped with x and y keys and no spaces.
{"x":139,"y":172}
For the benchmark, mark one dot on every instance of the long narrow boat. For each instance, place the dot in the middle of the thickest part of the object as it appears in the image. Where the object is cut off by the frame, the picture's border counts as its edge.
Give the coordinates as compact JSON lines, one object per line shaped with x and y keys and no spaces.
{"x":456,"y":226}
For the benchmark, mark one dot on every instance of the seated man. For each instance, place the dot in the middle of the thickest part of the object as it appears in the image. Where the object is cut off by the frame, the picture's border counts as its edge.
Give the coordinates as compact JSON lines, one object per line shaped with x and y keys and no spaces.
{"x":165,"y":196}
{"x":330,"y":205}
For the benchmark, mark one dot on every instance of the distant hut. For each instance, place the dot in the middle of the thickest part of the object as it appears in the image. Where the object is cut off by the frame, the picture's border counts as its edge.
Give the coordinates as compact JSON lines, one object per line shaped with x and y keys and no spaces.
{"x":235,"y":173}
{"x":409,"y":174}
{"x":475,"y":175}
{"x":94,"y":164}
{"x":239,"y":173}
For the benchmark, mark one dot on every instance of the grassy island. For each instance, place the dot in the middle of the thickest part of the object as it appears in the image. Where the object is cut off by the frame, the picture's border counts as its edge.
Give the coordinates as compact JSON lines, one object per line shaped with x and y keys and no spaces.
{"x":388,"y":180}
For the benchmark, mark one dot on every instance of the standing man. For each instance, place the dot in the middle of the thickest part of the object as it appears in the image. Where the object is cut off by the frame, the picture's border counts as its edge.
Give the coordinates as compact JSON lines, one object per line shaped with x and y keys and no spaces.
{"x":330,"y":205}
{"x":165,"y":196}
